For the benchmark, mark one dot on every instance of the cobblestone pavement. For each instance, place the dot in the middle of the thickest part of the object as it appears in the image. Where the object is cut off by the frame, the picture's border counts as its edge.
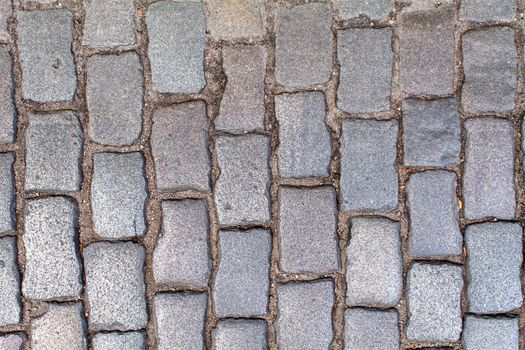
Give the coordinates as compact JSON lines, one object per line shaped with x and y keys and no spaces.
{"x":251,"y":174}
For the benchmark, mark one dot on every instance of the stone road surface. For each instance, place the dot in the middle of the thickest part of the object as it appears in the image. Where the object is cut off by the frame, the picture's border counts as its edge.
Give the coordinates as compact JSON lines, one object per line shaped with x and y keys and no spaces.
{"x":262,"y":174}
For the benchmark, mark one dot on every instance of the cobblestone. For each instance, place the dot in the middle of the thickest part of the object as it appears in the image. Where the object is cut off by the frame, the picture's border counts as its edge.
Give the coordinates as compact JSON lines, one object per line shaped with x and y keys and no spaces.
{"x":487,"y":10}
{"x":371,"y":329}
{"x":11,"y":342}
{"x":233,"y":19}
{"x":240,"y":335}
{"x":373,"y":9}
{"x":490,"y":333}
{"x":5,"y":13}
{"x":11,"y":312}
{"x":7,"y":188}
{"x":119,"y":341}
{"x":7,"y":105}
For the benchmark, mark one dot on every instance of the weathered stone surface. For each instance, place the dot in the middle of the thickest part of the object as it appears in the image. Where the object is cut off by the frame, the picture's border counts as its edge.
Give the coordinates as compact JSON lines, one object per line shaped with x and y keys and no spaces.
{"x":180,"y":147}
{"x":7,"y":190}
{"x":233,"y":19}
{"x":45,"y":42}
{"x":241,"y":192}
{"x":431,"y":132}
{"x":490,"y":68}
{"x":303,"y":34}
{"x":304,"y":317}
{"x":11,"y":310}
{"x":12,"y":342}
{"x":242,"y":105}
{"x":176,"y":46}
{"x":240,"y":335}
{"x":186,"y":330}
{"x":114,"y":95}
{"x":115,"y":286}
{"x":7,"y":103}
{"x":490,"y":333}
{"x":369,"y":177}
{"x":373,"y":9}
{"x":52,"y":267}
{"x":366,"y":59}
{"x":434,"y":297}
{"x":371,"y":329}
{"x":5,"y":14}
{"x":53,"y":152}
{"x":421,"y":5}
{"x":242,"y":282}
{"x":119,"y":341}
{"x":487,"y":10}
{"x":488,"y":180}
{"x":433,"y":214}
{"x":376,"y":281}
{"x":119,"y":188}
{"x":493,"y":267}
{"x":305,"y":147}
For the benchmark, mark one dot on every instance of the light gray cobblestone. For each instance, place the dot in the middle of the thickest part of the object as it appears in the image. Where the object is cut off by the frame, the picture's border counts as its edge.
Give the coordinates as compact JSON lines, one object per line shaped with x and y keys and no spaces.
{"x":119,"y":341}
{"x":11,"y":311}
{"x":373,"y":9}
{"x":7,"y":98}
{"x":233,"y":19}
{"x":490,"y":333}
{"x":240,"y":335}
{"x":371,"y":329}
{"x":6,"y":11}
{"x":7,"y":190}
{"x":12,"y":342}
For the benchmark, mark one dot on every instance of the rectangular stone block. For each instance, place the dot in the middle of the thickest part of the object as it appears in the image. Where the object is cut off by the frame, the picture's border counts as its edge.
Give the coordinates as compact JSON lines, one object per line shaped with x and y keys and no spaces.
{"x":45,"y":41}
{"x":305,"y":146}
{"x":119,"y":188}
{"x":11,"y":311}
{"x":373,"y":9}
{"x":487,"y":10}
{"x":6,"y":11}
{"x":303,"y":34}
{"x":52,"y":268}
{"x":369,"y":178}
{"x":371,"y":329}
{"x":7,"y":193}
{"x":119,"y":341}
{"x":366,"y":60}
{"x":179,"y":144}
{"x":115,"y":286}
{"x":182,"y":254}
{"x":7,"y":102}
{"x":239,"y":335}
{"x":488,"y":180}
{"x":490,"y":333}
{"x":12,"y":342}
{"x":234,"y":19}
{"x":176,"y":46}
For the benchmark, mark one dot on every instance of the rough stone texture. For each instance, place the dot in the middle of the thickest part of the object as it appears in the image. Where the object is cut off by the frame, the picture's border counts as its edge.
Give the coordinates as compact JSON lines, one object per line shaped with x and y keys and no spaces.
{"x":234,"y":19}
{"x":5,"y":13}
{"x":434,"y":297}
{"x":434,"y":214}
{"x":487,"y":10}
{"x":366,"y":60}
{"x":305,"y":146}
{"x":45,"y":43}
{"x":115,"y":286}
{"x":490,"y":333}
{"x":7,"y":191}
{"x":373,"y":9}
{"x":62,"y":327}
{"x":54,"y":152}
{"x":303,"y":34}
{"x":421,"y":5}
{"x":493,"y":267}
{"x":109,"y":23}
{"x":176,"y":46}
{"x":307,"y":230}
{"x":10,"y":312}
{"x":371,"y":329}
{"x":369,"y":177}
{"x":119,"y":341}
{"x":114,"y":96}
{"x":374,"y":273}
{"x":7,"y":104}
{"x":431,"y":132}
{"x":304,"y":317}
{"x":241,"y":192}
{"x":426,"y":51}
{"x":488,"y":180}
{"x":242,"y":282}
{"x":242,"y":105}
{"x":52,"y":267}
{"x":240,"y":335}
{"x":182,"y":254}
{"x":12,"y":342}
{"x":490,"y":68}
{"x":180,"y":147}
{"x":118,"y":188}
{"x":186,"y":330}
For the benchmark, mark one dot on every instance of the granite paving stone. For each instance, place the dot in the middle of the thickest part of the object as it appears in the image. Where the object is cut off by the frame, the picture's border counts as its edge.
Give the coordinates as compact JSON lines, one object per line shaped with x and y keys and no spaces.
{"x":11,"y":311}
{"x":490,"y":333}
{"x":234,"y":19}
{"x":7,"y":189}
{"x":419,"y":5}
{"x":493,"y":267}
{"x":371,"y":329}
{"x":239,"y":335}
{"x":7,"y":103}
{"x":487,"y":10}
{"x":119,"y":341}
{"x":6,"y":11}
{"x":373,"y":9}
{"x":12,"y":342}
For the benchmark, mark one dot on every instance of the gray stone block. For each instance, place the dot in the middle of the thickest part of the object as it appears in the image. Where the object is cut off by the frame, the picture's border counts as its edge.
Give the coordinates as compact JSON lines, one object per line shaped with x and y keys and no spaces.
{"x":53,"y":152}
{"x":115,"y":286}
{"x":488,"y":180}
{"x":493,"y":267}
{"x":431,"y":132}
{"x":303,"y":34}
{"x":11,"y":310}
{"x":433,"y":214}
{"x":114,"y":94}
{"x":52,"y":267}
{"x":373,"y":9}
{"x":490,"y":68}
{"x":434,"y":298}
{"x":304,"y":316}
{"x":366,"y":59}
{"x":45,"y":41}
{"x":487,"y":10}
{"x":369,"y":177}
{"x":7,"y":101}
{"x":176,"y":46}
{"x":234,"y":19}
{"x":240,"y":335}
{"x":119,"y":341}
{"x":12,"y":342}
{"x":377,"y":281}
{"x":242,"y":190}
{"x":182,"y":254}
{"x":242,"y":105}
{"x":305,"y":147}
{"x":7,"y":190}
{"x":371,"y":329}
{"x":6,"y":11}
{"x":119,"y":188}
{"x":421,"y":5}
{"x":186,"y":330}
{"x":179,"y":143}
{"x":490,"y":333}
{"x":242,"y":282}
